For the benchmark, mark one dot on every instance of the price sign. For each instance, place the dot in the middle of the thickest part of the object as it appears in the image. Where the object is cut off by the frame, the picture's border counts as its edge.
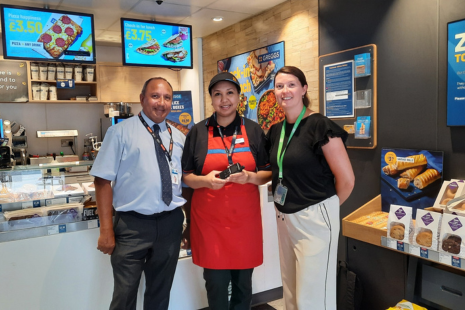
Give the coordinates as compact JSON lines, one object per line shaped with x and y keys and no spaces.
{"x":25,"y":26}
{"x":138,"y":35}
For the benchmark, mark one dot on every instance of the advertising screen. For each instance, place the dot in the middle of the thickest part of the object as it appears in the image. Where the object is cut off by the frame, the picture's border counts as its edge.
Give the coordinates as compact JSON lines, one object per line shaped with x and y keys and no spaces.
{"x":156,"y":44}
{"x":49,"y":35}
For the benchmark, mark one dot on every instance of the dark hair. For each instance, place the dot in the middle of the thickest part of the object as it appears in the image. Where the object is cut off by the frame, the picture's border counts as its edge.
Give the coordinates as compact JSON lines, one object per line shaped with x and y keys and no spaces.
{"x":154,"y":78}
{"x":299,"y":75}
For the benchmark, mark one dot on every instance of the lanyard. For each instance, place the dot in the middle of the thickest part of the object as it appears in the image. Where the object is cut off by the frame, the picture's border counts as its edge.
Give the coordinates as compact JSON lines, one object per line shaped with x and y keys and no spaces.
{"x":281,"y":141}
{"x":157,"y":138}
{"x":233,"y":144}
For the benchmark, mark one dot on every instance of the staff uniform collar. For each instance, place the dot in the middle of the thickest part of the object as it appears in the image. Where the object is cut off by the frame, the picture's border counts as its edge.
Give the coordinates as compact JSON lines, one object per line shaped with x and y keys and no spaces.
{"x":236,"y":122}
{"x":151,"y":123}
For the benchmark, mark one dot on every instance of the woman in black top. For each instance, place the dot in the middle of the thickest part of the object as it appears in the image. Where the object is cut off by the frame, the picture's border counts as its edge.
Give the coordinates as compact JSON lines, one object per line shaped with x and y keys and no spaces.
{"x":312,"y":176}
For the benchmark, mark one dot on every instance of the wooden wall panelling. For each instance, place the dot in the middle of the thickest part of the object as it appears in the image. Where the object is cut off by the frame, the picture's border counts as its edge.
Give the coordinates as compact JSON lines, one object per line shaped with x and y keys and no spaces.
{"x":124,"y":83}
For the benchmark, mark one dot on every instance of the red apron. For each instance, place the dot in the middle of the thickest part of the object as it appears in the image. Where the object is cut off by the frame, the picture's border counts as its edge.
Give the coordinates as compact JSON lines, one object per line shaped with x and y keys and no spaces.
{"x":226,"y":226}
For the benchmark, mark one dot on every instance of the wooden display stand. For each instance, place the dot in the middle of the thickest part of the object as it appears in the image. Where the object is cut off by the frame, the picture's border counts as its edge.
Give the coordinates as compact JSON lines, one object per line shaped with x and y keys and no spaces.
{"x":362,"y":232}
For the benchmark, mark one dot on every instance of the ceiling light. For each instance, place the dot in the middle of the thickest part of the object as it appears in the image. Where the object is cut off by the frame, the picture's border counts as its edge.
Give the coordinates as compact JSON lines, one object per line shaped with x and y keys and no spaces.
{"x":218,"y":18}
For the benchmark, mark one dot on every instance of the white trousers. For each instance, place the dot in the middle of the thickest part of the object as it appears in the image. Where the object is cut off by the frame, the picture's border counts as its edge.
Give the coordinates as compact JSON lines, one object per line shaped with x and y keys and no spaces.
{"x":308,"y":256}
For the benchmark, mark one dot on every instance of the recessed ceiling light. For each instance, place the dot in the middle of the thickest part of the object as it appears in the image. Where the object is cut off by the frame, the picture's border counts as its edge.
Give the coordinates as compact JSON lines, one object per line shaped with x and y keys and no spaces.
{"x":218,"y":18}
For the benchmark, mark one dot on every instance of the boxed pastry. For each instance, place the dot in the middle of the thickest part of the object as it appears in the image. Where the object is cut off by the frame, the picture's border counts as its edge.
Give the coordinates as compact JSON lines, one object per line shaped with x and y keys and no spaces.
{"x":25,"y":218}
{"x":66,"y":213}
{"x":456,"y":206}
{"x":68,"y":190}
{"x":400,"y":224}
{"x":427,"y":229}
{"x":89,"y":188}
{"x":449,"y":190}
{"x":452,"y":236}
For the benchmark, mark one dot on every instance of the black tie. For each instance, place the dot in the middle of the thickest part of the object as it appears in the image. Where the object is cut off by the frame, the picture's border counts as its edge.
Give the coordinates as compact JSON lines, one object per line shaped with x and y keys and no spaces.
{"x":166,"y":189}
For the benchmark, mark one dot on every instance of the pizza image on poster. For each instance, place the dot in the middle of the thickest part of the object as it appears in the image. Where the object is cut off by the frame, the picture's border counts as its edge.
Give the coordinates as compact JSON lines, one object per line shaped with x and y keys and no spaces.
{"x":61,"y":32}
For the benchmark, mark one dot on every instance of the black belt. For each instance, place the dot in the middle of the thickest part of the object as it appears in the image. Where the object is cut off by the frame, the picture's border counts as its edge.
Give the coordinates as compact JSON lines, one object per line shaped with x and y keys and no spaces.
{"x":143,"y":216}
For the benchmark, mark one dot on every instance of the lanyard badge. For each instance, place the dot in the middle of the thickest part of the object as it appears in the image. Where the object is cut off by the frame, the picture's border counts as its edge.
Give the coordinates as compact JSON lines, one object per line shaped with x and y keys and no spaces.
{"x":281,"y":190}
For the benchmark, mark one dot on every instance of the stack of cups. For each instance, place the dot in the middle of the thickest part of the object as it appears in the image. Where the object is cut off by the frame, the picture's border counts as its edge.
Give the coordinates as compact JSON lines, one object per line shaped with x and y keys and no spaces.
{"x":51,"y":76}
{"x":60,"y":72}
{"x":34,"y":70}
{"x":43,"y":71}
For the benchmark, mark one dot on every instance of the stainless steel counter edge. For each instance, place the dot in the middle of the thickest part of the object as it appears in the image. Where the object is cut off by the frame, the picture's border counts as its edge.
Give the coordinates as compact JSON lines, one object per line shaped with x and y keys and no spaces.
{"x":42,"y":231}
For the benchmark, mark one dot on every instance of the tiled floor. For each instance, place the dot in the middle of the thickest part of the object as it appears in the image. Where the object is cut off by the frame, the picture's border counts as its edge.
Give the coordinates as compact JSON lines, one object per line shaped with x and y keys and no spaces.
{"x":274,"y":305}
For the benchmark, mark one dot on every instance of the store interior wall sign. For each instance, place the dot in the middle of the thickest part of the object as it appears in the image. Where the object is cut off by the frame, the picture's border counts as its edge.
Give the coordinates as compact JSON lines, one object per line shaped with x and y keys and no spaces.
{"x":456,"y":73}
{"x":256,"y":70}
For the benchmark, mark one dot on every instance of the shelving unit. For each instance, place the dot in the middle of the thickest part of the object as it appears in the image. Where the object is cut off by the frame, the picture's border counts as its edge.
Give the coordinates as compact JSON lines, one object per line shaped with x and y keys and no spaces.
{"x":82,"y":88}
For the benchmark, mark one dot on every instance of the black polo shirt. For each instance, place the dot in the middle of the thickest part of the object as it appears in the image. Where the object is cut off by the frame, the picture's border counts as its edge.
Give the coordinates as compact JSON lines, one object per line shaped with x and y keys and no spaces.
{"x":196,"y":146}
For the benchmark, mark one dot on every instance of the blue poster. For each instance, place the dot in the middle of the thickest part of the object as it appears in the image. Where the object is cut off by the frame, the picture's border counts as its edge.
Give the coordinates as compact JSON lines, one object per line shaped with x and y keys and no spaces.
{"x":339,"y":89}
{"x":156,"y":44}
{"x":256,"y":70}
{"x":401,"y":178}
{"x":456,"y":73}
{"x":182,"y":113}
{"x":48,"y":35}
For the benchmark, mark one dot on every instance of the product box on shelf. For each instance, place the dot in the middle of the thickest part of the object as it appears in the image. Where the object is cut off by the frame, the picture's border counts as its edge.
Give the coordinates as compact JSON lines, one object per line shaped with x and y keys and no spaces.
{"x":452,"y":240}
{"x":89,"y":188}
{"x":364,"y":233}
{"x":90,"y":211}
{"x":68,"y":190}
{"x":400,"y":224}
{"x":449,"y":190}
{"x":66,"y":213}
{"x":26,"y":218}
{"x":427,"y":229}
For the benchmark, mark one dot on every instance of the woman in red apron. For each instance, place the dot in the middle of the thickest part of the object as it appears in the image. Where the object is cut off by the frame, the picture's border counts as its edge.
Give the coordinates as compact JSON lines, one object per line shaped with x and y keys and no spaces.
{"x":225,"y":224}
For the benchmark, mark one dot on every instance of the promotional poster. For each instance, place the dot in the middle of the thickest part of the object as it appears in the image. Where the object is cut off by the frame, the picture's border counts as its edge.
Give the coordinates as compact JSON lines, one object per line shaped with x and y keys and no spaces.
{"x":339,"y":90}
{"x":182,"y":113}
{"x":456,"y":73}
{"x":410,"y":178}
{"x":47,"y":35}
{"x":255,"y":71}
{"x":156,"y":44}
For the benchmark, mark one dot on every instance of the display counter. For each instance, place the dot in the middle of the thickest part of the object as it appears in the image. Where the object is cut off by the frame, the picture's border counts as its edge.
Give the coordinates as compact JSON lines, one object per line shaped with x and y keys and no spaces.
{"x":58,"y":267}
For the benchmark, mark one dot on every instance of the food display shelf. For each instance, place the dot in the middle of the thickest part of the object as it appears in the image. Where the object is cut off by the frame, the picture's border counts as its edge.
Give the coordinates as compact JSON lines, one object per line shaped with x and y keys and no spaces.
{"x":423,"y":253}
{"x":48,"y":166}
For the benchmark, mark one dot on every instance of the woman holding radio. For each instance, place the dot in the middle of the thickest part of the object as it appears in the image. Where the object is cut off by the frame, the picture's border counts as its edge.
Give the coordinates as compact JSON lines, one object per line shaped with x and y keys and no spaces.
{"x":224,"y":161}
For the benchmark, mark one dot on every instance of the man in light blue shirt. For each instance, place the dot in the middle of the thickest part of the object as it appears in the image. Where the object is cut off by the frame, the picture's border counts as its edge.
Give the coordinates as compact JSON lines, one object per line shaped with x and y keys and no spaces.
{"x":146,"y":195}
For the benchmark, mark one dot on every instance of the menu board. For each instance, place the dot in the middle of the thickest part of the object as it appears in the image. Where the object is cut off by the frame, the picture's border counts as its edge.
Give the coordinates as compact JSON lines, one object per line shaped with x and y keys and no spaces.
{"x":255,"y":71}
{"x":13,"y":81}
{"x":39,"y":34}
{"x":156,"y":44}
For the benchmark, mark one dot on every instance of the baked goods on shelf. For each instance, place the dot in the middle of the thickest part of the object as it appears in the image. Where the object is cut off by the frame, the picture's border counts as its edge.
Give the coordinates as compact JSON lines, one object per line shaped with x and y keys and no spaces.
{"x":397,"y":232}
{"x":452,"y":244}
{"x":425,"y":238}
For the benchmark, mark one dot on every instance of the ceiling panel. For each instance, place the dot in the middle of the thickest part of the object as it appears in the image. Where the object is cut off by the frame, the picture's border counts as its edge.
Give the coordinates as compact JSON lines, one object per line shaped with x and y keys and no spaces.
{"x":198,"y":13}
{"x":244,"y":6}
{"x":203,"y":24}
